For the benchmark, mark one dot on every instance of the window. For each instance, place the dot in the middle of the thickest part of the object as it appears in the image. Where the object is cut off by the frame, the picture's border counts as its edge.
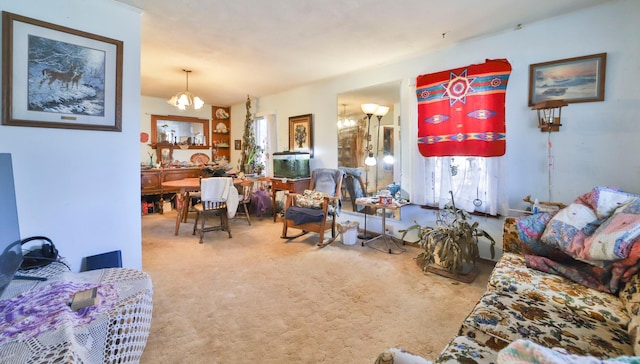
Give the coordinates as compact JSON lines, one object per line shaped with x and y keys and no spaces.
{"x":265,"y":139}
{"x":476,"y":183}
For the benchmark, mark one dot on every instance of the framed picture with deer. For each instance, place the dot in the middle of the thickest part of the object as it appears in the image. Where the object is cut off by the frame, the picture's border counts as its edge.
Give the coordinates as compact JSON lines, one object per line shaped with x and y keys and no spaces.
{"x":58,"y":77}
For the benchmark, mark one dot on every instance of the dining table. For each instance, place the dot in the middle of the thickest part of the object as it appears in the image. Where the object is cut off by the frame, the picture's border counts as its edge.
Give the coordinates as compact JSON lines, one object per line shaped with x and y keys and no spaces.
{"x":186,"y":186}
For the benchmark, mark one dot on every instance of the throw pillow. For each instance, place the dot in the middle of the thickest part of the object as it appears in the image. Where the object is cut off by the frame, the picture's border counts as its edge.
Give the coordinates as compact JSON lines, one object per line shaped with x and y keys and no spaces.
{"x":605,"y":200}
{"x":615,"y":236}
{"x":310,"y":199}
{"x":530,"y":229}
{"x":568,"y":229}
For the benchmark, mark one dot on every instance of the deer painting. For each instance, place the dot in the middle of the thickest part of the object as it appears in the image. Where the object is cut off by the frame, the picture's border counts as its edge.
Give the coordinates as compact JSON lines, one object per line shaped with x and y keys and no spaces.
{"x":64,"y":77}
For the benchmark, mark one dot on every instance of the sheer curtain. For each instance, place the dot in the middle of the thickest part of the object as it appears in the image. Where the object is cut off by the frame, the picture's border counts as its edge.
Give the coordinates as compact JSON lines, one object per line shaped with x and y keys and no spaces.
{"x":265,"y":138}
{"x":476,"y":183}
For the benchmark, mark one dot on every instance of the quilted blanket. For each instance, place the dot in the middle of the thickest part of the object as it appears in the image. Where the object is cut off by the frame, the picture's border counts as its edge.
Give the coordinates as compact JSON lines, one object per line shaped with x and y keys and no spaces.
{"x":598,"y":235}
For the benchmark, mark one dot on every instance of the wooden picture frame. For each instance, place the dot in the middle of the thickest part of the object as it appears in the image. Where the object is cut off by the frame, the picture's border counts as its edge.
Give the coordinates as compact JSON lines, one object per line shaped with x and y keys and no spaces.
{"x":237,"y":144}
{"x":300,"y":134}
{"x":578,"y":79}
{"x":58,"y":77}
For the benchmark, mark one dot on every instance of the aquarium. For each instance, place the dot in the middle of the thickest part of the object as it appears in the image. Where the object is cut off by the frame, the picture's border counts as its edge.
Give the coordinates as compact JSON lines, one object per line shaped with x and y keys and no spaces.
{"x":291,"y":165}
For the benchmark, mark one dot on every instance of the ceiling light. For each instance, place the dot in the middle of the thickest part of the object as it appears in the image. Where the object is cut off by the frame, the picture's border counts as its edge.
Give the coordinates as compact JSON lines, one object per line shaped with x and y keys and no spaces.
{"x":343,"y":120}
{"x":183,"y":100}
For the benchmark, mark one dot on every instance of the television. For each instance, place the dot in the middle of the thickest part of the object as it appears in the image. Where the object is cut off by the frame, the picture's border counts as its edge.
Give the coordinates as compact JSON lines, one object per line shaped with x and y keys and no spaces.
{"x":10,"y":248}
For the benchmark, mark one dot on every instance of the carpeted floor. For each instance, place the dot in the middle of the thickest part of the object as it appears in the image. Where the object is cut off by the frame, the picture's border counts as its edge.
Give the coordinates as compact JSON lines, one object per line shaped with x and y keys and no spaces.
{"x":256,"y":298}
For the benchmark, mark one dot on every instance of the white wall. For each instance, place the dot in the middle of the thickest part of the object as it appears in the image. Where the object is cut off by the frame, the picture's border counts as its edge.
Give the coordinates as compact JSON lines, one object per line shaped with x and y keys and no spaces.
{"x":81,"y":188}
{"x":596,"y":145}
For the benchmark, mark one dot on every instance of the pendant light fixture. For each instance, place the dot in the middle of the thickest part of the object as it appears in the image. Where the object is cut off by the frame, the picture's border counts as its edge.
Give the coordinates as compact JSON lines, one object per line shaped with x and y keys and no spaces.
{"x":183,"y":100}
{"x":343,"y":120}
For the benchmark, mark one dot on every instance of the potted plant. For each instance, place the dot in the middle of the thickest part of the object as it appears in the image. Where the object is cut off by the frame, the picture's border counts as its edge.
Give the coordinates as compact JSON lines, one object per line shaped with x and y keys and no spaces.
{"x":453,"y":242}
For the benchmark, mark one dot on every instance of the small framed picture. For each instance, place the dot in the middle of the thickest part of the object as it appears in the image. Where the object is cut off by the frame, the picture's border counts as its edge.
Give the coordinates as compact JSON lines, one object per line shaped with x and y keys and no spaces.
{"x":300,"y":138}
{"x":578,"y":79}
{"x":237,"y":144}
{"x":58,"y":77}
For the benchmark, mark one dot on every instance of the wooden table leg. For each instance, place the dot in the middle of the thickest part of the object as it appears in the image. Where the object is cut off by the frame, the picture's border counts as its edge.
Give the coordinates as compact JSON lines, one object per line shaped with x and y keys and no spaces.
{"x":180,"y":202}
{"x":273,"y":203}
{"x":187,"y":202}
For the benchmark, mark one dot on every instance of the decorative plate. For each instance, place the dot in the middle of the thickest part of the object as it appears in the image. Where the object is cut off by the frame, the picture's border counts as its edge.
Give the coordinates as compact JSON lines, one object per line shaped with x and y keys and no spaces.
{"x":222,"y":114}
{"x":200,"y":158}
{"x":221,"y":127}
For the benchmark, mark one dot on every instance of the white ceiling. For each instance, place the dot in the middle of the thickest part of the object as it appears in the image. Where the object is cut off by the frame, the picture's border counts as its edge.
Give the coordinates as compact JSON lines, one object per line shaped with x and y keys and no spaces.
{"x":258,"y":47}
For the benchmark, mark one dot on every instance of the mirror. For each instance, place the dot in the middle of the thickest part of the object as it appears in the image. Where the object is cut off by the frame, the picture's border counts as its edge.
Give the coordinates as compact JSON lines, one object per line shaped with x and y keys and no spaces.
{"x":380,"y":136}
{"x":186,"y":132}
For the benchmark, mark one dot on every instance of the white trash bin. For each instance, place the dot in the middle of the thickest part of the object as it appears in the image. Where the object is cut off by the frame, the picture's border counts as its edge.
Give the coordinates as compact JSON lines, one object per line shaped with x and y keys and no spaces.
{"x":349,"y":232}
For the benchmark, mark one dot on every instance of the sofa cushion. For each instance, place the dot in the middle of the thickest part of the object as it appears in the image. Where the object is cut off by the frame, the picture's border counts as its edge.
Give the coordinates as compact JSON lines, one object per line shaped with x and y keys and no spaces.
{"x":463,"y":349}
{"x":310,"y":199}
{"x":634,"y":326}
{"x":510,"y":236}
{"x":509,"y":316}
{"x":630,"y":292}
{"x":511,"y":275}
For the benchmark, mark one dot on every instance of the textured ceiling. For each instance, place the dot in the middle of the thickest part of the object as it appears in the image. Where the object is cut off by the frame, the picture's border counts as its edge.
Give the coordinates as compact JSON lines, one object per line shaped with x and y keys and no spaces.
{"x":259,"y":47}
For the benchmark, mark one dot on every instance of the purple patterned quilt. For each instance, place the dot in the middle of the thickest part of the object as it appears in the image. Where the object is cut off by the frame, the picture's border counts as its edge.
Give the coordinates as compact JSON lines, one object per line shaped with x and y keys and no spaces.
{"x":597,"y":237}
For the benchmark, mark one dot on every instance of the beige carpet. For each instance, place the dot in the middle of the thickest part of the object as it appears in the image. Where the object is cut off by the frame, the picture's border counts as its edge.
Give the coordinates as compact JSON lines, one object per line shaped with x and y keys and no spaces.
{"x":256,"y":298}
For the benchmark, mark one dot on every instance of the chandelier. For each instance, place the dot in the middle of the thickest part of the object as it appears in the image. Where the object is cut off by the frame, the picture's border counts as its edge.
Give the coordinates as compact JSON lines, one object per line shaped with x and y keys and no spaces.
{"x":185,"y":99}
{"x":343,"y":121}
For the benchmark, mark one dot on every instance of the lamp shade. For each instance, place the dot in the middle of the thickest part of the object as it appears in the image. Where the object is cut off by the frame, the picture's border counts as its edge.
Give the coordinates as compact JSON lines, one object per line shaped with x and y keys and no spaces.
{"x":370,"y":160}
{"x":185,"y":99}
{"x":388,"y":159}
{"x":369,"y":109}
{"x":381,"y":111}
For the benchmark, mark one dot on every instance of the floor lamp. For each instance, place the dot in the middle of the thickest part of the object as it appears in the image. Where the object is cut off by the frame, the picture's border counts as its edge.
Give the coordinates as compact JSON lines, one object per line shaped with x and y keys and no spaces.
{"x":380,"y":112}
{"x":370,"y":160}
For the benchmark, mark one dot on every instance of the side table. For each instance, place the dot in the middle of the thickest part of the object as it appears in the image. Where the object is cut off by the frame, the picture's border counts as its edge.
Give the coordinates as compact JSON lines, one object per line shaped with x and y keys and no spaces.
{"x":297,"y":185}
{"x":388,"y":239}
{"x":37,"y":323}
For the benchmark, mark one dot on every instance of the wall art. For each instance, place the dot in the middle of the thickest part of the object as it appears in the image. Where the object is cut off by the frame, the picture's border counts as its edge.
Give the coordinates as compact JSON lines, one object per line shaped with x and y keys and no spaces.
{"x":58,"y":77}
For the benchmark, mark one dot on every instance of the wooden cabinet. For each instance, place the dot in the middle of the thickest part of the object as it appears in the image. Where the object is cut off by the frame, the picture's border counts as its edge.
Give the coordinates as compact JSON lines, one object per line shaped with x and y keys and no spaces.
{"x":151,"y":179}
{"x":291,"y":185}
{"x":221,"y":132}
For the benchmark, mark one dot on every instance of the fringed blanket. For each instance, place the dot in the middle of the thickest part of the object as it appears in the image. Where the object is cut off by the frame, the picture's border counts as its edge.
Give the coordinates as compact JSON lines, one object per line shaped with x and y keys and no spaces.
{"x":593,"y":240}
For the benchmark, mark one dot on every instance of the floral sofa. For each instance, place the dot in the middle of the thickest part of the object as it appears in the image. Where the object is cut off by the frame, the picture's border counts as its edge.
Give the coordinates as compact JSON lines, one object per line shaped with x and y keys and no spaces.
{"x":566,"y":285}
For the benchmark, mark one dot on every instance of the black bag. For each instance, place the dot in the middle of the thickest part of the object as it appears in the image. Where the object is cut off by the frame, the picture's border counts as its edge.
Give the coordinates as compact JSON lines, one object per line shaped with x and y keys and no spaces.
{"x":39,"y":256}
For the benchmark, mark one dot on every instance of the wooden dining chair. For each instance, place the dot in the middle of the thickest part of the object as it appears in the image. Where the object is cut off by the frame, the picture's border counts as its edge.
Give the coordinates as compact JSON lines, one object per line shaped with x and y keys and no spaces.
{"x":245,"y":190}
{"x":214,"y":197}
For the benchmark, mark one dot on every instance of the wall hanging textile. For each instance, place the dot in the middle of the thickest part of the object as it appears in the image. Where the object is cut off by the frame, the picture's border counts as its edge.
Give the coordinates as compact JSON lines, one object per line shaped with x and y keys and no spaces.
{"x":461,"y":111}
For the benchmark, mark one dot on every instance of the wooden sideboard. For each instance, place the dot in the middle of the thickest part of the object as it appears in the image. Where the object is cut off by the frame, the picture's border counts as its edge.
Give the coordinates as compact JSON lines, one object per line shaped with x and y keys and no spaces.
{"x":151,"y":179}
